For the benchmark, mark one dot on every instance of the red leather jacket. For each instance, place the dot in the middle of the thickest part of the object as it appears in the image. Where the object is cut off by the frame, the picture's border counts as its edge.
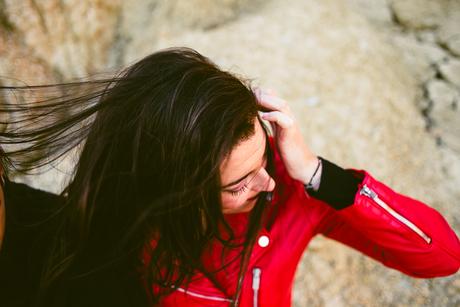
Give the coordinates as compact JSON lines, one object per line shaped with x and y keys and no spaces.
{"x":396,"y":230}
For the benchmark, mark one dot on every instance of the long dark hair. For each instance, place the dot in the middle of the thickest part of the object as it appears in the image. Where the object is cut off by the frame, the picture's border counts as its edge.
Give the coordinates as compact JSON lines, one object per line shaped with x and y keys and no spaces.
{"x":147,"y":179}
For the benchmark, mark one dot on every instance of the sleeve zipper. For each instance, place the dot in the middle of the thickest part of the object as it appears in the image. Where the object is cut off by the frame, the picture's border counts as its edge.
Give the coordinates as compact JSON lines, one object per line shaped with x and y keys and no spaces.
{"x":368,"y":192}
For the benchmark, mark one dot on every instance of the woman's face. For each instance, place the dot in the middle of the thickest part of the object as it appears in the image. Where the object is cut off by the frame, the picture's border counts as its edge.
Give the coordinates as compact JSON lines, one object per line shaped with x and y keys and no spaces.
{"x":243,"y":174}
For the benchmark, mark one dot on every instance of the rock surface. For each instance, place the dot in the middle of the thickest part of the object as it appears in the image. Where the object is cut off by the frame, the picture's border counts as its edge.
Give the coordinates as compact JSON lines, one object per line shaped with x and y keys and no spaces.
{"x":377,"y":11}
{"x":449,"y":32}
{"x":451,"y":72}
{"x":418,"y":57}
{"x":143,"y":22}
{"x":443,"y":93}
{"x":58,"y":32}
{"x":350,"y":84}
{"x":430,"y":54}
{"x":445,"y":112}
{"x":419,"y":14}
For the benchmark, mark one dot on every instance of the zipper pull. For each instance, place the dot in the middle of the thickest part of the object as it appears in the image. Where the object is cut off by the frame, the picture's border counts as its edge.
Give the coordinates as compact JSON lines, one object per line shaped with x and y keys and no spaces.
{"x":367,"y":192}
{"x":256,"y":272}
{"x":269,"y":196}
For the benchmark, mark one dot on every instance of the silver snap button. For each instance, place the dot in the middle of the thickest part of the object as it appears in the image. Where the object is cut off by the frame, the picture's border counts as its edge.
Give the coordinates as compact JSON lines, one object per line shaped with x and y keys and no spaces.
{"x":263,"y":241}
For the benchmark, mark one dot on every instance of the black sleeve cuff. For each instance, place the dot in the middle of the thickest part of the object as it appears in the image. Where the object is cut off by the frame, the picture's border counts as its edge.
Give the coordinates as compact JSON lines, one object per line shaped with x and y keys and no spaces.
{"x":337,"y":187}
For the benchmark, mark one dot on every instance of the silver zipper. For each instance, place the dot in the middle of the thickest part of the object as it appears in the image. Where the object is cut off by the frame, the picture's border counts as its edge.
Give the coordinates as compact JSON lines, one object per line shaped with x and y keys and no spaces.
{"x":256,"y":272}
{"x":365,"y":190}
{"x":207,"y":297}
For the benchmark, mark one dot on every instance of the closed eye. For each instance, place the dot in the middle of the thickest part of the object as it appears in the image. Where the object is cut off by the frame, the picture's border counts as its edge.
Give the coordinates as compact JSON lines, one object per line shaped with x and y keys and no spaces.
{"x":239,"y":191}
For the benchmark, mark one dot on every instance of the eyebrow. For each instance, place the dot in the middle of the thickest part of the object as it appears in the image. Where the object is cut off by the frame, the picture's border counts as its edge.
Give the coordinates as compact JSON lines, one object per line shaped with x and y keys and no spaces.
{"x":251,"y":172}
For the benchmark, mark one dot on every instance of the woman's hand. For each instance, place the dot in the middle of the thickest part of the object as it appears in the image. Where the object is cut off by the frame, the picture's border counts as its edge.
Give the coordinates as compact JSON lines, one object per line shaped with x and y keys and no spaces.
{"x":298,"y":159}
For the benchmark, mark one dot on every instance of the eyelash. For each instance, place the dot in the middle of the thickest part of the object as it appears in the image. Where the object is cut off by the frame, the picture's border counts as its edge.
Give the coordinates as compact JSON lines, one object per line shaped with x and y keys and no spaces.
{"x":244,"y":187}
{"x":239,"y":191}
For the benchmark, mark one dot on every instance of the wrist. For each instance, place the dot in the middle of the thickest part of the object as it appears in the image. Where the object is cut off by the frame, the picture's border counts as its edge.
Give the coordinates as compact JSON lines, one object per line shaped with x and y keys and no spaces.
{"x":315,"y":180}
{"x":313,"y":176}
{"x":308,"y":170}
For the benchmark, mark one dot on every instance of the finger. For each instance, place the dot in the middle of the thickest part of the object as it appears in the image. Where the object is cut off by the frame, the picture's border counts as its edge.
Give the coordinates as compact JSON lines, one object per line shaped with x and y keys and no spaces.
{"x":280,"y":118}
{"x":271,"y":102}
{"x":257,"y":91}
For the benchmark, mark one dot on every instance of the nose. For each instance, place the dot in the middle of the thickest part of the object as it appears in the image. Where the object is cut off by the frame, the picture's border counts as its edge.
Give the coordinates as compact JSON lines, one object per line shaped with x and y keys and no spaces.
{"x":263,"y":182}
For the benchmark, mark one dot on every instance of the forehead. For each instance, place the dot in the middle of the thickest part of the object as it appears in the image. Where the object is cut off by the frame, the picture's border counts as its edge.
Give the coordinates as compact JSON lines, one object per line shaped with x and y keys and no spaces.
{"x":244,"y":157}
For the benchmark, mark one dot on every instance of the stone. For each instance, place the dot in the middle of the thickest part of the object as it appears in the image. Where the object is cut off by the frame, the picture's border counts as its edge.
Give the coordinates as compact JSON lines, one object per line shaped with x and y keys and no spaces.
{"x":376,"y":11}
{"x":442,"y":94}
{"x":427,"y":36}
{"x":433,"y":53}
{"x":447,"y":130}
{"x":150,"y":20}
{"x":18,"y":66}
{"x":208,"y":14}
{"x":451,"y":71}
{"x":419,"y":14}
{"x":454,"y":46}
{"x":444,"y":113}
{"x":419,"y":57}
{"x":57,"y":32}
{"x":423,"y":104}
{"x":449,"y":33}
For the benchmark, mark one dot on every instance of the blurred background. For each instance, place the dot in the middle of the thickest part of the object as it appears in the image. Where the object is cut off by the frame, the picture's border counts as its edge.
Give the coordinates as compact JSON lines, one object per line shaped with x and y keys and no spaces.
{"x":375,"y":85}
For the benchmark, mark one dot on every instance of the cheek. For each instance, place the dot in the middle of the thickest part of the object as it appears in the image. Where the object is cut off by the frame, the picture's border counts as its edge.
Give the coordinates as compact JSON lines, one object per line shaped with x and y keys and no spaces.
{"x":230,"y":202}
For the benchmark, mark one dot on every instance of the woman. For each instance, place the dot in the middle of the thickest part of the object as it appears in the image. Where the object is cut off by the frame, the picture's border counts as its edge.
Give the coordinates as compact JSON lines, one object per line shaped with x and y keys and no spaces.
{"x":181,"y":197}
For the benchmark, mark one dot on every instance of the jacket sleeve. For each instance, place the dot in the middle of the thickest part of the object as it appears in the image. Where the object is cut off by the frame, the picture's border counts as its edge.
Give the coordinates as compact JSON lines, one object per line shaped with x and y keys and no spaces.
{"x":396,"y":230}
